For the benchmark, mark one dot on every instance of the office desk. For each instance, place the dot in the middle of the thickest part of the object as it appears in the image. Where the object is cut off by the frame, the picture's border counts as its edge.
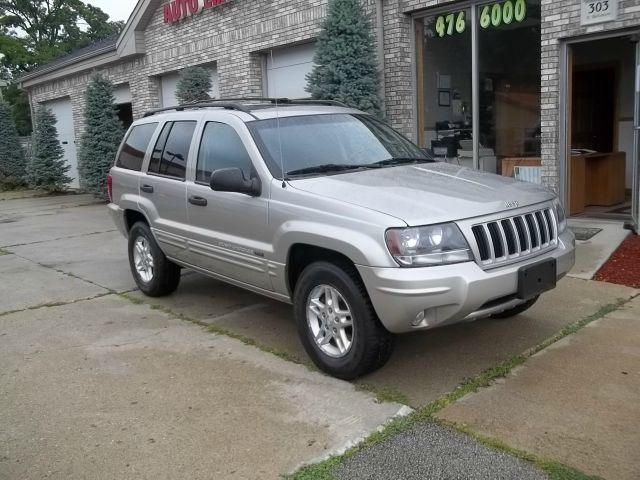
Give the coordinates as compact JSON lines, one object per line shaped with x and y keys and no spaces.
{"x":596,"y":179}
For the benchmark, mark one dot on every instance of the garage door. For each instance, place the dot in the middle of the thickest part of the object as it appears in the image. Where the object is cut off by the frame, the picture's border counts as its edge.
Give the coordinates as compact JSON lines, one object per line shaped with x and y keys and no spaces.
{"x":66,"y":135}
{"x":287,"y":69}
{"x":122,"y":94}
{"x":169,"y":83}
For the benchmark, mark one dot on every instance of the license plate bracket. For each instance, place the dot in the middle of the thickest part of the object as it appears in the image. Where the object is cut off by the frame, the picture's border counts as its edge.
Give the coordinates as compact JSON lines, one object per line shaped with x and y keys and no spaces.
{"x":537,"y":278}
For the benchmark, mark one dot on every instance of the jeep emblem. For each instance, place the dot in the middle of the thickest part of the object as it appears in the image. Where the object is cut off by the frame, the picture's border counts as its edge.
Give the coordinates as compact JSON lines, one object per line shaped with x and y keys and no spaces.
{"x":511,"y":204}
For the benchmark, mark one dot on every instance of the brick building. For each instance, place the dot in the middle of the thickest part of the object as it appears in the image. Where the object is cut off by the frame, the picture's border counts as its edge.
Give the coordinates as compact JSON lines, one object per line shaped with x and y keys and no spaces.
{"x":515,"y":87}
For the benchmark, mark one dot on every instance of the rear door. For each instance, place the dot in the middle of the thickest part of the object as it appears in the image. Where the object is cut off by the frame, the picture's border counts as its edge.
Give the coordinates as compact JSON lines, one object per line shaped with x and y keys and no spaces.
{"x":229,"y":235}
{"x":127,"y":170}
{"x":163,"y":191}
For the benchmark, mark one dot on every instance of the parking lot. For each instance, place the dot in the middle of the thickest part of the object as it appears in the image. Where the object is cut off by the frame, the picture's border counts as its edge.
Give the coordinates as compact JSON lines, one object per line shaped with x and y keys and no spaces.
{"x":99,"y":381}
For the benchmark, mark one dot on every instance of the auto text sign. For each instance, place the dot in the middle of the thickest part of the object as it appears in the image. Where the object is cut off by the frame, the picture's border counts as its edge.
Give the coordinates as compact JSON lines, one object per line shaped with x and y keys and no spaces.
{"x":598,"y":11}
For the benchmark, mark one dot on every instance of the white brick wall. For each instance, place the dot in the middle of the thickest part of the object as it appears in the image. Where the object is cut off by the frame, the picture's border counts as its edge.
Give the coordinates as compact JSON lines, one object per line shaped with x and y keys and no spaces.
{"x":234,"y":34}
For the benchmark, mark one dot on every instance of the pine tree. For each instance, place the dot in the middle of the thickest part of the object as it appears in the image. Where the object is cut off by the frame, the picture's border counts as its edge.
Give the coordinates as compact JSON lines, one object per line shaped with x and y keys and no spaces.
{"x":12,"y":161}
{"x":194,"y":85}
{"x":47,"y":169}
{"x":346,"y":66}
{"x":101,"y":137}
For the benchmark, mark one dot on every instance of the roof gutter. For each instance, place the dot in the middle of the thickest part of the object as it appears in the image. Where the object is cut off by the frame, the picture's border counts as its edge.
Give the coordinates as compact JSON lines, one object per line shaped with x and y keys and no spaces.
{"x":58,"y":66}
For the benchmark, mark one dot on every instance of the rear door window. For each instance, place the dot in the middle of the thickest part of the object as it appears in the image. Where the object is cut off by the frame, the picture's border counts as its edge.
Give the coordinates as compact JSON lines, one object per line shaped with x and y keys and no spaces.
{"x":172,"y":162}
{"x":156,"y":155}
{"x":135,"y":147}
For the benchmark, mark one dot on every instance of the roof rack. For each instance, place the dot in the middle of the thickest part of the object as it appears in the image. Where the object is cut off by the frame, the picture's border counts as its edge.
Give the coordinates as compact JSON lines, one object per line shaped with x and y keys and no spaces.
{"x":311,"y":101}
{"x":220,"y":104}
{"x":233,"y":104}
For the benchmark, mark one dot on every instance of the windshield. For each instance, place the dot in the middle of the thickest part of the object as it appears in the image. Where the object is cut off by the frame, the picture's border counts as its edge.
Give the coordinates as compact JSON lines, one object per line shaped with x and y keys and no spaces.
{"x":315,"y":144}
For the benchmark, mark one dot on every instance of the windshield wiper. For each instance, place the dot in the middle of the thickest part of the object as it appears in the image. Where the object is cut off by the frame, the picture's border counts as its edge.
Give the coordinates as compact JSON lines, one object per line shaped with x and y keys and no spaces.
{"x":403,"y":161}
{"x":330,"y":167}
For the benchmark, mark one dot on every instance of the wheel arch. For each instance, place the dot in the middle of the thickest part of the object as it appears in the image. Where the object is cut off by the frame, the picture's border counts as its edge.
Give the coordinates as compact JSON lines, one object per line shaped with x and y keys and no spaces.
{"x":131,"y":217}
{"x":301,"y":255}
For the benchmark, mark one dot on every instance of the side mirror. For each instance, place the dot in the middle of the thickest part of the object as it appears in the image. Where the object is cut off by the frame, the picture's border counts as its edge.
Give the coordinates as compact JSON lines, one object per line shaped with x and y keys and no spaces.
{"x":232,"y":180}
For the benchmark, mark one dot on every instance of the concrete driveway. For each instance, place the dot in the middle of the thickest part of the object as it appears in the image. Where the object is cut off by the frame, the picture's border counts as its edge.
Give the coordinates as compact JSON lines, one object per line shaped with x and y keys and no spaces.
{"x":97,"y":384}
{"x":93,"y":385}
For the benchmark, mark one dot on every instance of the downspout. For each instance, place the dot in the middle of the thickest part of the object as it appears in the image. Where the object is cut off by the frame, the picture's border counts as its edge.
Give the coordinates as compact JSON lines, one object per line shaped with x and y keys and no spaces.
{"x":380,"y":42}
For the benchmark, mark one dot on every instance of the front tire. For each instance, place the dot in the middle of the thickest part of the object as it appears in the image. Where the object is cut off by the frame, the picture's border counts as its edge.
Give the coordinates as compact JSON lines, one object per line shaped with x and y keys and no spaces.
{"x":516,"y":310}
{"x":336,"y":322}
{"x":153,"y":272}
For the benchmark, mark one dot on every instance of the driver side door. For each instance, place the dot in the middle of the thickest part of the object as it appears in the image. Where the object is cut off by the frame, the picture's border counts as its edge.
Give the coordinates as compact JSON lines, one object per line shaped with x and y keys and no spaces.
{"x":230,"y":230}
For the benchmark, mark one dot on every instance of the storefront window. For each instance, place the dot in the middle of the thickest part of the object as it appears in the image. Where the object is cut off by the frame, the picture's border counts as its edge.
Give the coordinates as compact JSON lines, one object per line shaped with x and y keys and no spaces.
{"x":447,"y":86}
{"x":509,"y":83}
{"x":507,"y":101}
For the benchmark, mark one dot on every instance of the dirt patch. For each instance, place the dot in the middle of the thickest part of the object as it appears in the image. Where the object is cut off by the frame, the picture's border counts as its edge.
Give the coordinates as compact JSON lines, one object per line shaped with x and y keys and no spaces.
{"x":623,"y":268}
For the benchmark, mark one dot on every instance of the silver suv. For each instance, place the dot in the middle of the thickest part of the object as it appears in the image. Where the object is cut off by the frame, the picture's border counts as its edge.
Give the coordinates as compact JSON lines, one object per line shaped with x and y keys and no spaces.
{"x":328,"y":208}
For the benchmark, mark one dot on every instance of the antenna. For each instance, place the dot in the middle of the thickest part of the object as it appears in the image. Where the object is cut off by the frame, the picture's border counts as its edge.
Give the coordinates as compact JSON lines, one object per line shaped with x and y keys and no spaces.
{"x":275,"y":94}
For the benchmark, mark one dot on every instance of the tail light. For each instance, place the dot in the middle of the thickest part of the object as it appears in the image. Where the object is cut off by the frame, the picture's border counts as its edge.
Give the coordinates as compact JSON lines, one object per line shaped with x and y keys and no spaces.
{"x":110,"y":188}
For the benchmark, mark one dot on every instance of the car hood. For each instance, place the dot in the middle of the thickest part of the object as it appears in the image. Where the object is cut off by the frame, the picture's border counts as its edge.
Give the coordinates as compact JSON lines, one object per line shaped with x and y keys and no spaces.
{"x":426,"y":193}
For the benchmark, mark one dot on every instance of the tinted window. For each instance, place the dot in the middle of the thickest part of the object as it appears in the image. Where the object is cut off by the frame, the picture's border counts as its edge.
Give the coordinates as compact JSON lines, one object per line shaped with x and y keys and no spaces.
{"x":294,"y":143}
{"x":156,"y":155}
{"x":135,"y":147}
{"x":173,"y":161}
{"x":221,"y":147}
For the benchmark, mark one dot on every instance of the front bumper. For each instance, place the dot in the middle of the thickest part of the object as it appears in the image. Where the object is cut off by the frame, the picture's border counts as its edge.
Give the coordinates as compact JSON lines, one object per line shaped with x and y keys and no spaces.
{"x":451,"y":293}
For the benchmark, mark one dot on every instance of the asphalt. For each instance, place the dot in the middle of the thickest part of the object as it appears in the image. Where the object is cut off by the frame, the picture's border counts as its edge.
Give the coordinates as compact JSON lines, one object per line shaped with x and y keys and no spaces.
{"x":432,"y":451}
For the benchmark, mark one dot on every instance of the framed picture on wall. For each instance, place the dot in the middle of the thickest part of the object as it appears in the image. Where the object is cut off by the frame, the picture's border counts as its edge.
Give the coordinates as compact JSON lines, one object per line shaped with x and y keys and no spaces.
{"x":444,"y":98}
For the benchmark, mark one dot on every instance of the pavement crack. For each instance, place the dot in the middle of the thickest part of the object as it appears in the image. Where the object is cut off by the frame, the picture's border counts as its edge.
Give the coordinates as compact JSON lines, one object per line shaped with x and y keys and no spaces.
{"x":93,"y":345}
{"x":69,"y":237}
{"x":67,"y":274}
{"x":54,"y":304}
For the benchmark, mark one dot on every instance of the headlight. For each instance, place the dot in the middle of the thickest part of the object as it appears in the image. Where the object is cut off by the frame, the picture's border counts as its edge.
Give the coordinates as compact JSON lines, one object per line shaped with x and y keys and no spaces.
{"x":428,"y":246}
{"x":560,"y":216}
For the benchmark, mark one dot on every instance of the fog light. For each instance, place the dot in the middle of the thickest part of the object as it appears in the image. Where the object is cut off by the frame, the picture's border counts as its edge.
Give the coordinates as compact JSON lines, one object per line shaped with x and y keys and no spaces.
{"x":419,"y":319}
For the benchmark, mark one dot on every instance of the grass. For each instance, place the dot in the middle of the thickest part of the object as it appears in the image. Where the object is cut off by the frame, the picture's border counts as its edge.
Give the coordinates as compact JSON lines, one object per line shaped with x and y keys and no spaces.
{"x":555,"y":470}
{"x":3,"y":252}
{"x":383,"y":394}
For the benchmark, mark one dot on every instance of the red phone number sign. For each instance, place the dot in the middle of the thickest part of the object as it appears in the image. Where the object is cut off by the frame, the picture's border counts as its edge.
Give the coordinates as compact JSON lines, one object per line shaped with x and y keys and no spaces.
{"x":176,"y":10}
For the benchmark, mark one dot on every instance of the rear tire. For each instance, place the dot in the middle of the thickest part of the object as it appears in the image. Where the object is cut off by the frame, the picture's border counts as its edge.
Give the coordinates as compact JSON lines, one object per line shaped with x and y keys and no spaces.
{"x":327,"y":297}
{"x":516,"y":310}
{"x":154,"y":273}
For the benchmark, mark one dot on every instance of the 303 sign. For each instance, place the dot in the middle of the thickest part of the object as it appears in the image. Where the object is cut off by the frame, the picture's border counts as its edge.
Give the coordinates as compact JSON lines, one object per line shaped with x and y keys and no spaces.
{"x":598,"y":11}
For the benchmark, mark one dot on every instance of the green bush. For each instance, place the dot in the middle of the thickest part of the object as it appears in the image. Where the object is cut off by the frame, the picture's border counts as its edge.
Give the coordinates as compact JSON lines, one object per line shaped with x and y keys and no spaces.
{"x":346,"y":64}
{"x":47,"y":169}
{"x":12,"y":160}
{"x":101,"y":137}
{"x":194,"y":85}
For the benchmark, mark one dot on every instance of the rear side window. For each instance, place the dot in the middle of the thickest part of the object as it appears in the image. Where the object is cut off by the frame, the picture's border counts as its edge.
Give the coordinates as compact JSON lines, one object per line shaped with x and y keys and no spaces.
{"x":221,"y":147}
{"x":171,"y":152}
{"x":135,"y":146}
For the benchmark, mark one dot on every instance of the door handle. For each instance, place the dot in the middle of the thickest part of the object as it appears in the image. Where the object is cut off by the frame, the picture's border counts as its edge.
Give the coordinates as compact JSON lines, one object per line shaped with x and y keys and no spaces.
{"x":198,"y":201}
{"x":147,"y":188}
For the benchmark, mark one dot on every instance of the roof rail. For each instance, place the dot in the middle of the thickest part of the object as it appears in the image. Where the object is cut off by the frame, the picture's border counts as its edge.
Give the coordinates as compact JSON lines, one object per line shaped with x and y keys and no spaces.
{"x":311,"y":101}
{"x":232,"y":104}
{"x":209,"y":103}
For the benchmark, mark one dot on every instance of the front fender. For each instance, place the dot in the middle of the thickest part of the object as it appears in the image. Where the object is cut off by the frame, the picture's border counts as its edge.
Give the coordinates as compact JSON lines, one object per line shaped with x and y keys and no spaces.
{"x":362,"y":248}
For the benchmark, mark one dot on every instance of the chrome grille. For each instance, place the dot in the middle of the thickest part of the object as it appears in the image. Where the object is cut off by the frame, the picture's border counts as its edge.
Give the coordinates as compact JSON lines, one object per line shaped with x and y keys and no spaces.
{"x":503,"y":241}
